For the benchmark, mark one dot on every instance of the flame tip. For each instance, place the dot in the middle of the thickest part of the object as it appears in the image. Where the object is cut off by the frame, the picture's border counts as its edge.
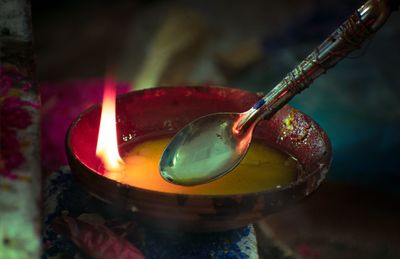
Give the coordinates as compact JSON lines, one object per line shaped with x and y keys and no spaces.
{"x":107,"y":145}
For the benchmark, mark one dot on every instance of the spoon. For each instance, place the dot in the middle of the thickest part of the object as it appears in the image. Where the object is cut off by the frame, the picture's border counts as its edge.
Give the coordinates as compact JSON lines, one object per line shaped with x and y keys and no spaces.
{"x":213,"y":145}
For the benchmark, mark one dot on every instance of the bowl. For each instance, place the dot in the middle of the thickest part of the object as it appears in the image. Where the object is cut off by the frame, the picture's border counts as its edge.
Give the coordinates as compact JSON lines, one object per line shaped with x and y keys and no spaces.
{"x":163,"y":111}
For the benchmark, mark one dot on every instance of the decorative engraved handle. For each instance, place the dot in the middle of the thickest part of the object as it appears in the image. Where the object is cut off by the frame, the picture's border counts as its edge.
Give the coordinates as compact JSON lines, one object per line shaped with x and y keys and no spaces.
{"x":345,"y":39}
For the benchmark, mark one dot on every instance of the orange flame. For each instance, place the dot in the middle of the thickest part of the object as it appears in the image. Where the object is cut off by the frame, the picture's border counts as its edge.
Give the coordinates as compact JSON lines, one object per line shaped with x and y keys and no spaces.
{"x":107,"y":145}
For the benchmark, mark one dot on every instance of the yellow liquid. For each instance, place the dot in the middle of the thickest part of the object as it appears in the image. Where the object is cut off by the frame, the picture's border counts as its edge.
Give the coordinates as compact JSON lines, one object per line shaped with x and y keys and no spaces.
{"x":262,"y":168}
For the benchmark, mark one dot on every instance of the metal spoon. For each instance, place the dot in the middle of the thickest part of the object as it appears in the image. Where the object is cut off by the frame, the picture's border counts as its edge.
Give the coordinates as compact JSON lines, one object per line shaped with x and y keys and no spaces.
{"x":213,"y":145}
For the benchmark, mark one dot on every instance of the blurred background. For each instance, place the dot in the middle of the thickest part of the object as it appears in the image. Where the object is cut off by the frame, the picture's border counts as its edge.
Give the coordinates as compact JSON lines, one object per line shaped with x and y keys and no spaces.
{"x":248,"y":44}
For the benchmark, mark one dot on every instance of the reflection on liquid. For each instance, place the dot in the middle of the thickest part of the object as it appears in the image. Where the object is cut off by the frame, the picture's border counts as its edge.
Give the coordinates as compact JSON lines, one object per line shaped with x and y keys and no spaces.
{"x":261,"y":169}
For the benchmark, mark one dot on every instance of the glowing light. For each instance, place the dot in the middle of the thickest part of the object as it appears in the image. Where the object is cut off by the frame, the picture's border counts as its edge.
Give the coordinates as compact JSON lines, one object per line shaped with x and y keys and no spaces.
{"x":244,"y":143}
{"x":107,"y":145}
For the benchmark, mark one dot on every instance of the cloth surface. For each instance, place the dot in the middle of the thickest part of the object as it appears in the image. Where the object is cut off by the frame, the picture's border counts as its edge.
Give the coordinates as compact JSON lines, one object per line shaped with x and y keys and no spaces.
{"x":19,"y":163}
{"x":89,"y":218}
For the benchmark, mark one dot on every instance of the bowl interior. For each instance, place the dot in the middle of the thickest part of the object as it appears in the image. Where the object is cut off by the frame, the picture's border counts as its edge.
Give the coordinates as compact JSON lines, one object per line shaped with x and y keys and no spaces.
{"x":164,"y":111}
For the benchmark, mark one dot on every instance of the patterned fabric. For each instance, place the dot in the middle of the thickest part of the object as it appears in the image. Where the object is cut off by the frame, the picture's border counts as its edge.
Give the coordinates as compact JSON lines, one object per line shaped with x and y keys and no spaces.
{"x":19,"y":165}
{"x":63,"y":197}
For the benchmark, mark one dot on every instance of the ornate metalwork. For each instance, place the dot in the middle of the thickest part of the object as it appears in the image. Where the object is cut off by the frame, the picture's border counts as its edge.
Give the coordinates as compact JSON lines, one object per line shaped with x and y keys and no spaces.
{"x":346,"y":38}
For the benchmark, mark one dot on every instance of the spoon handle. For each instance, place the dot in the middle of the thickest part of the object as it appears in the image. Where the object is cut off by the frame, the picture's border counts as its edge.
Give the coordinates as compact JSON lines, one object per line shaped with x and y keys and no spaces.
{"x":348,"y":37}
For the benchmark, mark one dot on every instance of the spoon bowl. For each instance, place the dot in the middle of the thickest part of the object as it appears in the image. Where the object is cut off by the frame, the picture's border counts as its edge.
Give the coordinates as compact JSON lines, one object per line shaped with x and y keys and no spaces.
{"x":186,"y":157}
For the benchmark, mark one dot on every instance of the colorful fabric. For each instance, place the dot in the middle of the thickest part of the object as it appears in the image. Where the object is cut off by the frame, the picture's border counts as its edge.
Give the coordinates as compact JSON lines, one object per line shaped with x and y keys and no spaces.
{"x":19,"y":165}
{"x":101,"y":223}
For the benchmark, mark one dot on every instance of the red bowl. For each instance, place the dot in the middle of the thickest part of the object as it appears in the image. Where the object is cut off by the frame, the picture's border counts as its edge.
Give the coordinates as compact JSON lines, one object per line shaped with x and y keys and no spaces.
{"x":163,"y":111}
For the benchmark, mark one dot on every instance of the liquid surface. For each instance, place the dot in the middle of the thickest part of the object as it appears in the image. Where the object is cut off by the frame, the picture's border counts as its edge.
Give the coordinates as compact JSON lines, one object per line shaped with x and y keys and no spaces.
{"x":262,"y":168}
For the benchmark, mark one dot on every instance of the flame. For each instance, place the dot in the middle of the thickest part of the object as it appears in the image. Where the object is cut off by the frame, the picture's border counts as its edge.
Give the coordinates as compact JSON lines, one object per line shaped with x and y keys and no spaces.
{"x":107,"y":146}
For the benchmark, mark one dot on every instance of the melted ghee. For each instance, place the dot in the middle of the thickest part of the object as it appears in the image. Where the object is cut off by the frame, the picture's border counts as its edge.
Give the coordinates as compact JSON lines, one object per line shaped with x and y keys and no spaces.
{"x":262,"y":168}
